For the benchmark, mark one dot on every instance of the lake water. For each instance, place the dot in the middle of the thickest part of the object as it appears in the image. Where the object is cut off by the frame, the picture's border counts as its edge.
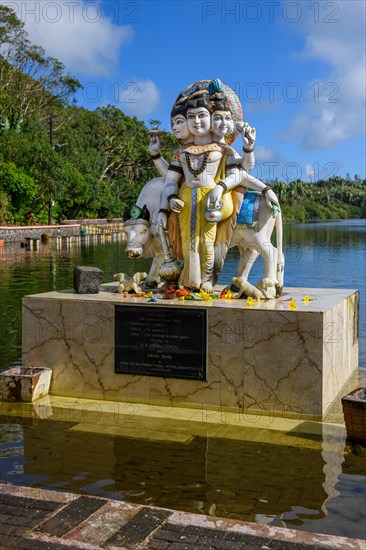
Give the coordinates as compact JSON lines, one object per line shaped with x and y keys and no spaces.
{"x":302,"y":479}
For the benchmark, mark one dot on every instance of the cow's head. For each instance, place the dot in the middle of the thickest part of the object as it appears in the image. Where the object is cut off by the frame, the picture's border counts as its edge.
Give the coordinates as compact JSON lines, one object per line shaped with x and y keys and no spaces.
{"x":137,"y":228}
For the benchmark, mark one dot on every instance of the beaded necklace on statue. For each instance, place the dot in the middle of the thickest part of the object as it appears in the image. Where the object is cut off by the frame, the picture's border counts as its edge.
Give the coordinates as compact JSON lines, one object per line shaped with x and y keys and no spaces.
{"x":202,"y":168}
{"x":213,"y":146}
{"x":200,"y":149}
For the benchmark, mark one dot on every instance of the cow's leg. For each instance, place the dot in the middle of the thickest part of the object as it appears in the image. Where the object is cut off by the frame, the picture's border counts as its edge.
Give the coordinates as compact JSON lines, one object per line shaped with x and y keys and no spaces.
{"x":240,"y":281}
{"x":268,"y":284}
{"x":246,"y":261}
{"x":269,"y":254}
{"x":153,"y":278}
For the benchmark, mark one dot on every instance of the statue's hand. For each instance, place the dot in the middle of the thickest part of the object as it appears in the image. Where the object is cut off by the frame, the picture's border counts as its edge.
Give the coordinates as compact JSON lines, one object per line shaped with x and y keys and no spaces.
{"x":271,"y":197}
{"x":176,"y":205}
{"x":162,"y":219}
{"x":214,"y":197}
{"x":248,"y":134}
{"x":154,"y":146}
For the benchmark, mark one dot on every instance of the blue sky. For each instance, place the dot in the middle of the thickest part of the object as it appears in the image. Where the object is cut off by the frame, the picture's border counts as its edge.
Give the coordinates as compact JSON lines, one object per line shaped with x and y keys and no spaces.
{"x":298,"y":68}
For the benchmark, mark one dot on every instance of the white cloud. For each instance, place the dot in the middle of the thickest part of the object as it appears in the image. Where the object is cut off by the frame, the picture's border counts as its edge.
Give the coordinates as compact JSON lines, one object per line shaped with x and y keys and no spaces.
{"x":336,"y":111}
{"x":139,"y":98}
{"x":78,"y":34}
{"x":265,"y":154}
{"x":321,"y":131}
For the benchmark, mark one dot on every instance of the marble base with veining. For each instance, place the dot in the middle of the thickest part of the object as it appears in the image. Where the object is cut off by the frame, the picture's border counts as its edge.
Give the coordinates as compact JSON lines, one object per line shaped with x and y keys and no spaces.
{"x":262,"y":358}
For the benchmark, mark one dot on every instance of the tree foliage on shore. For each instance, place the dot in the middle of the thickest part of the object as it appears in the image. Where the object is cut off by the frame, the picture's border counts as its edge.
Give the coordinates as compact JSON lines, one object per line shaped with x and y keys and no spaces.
{"x":93,"y":163}
{"x":330,"y":199}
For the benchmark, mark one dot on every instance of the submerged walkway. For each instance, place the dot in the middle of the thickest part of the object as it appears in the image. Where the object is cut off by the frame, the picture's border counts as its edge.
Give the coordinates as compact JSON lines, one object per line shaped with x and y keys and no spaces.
{"x":43,"y":519}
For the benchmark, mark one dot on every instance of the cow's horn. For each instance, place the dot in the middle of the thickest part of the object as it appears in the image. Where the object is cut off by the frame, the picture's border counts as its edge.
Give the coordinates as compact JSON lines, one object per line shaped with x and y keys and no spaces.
{"x":126,"y":214}
{"x":145,"y":213}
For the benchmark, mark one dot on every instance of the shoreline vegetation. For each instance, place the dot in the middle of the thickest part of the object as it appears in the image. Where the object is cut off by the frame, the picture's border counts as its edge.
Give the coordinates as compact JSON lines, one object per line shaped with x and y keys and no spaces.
{"x":59,"y":161}
{"x":324,"y":200}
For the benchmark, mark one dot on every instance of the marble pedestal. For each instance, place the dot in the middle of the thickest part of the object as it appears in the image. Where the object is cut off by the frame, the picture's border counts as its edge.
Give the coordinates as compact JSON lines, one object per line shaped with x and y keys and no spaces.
{"x":264,"y":358}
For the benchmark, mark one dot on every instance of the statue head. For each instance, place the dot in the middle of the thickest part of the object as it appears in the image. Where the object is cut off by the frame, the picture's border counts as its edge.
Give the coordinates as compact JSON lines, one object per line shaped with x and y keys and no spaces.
{"x":212,"y":95}
{"x":222,"y":122}
{"x":198,"y":114}
{"x":179,"y":124}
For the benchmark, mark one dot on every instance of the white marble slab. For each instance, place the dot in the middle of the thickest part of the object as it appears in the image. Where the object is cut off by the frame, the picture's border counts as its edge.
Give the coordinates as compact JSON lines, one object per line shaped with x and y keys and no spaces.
{"x":261,"y":358}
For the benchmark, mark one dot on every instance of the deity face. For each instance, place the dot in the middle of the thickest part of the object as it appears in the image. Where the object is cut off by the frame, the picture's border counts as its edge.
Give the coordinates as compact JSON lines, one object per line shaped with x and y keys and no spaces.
{"x":179,"y":127}
{"x":221,"y":123}
{"x":199,"y":121}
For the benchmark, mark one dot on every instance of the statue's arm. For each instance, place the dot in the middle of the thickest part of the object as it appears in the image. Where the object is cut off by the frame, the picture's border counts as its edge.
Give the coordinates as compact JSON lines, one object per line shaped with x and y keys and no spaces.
{"x":253,"y":183}
{"x":248,"y":161}
{"x":233,"y":174}
{"x":248,"y":136}
{"x":232,"y":180}
{"x":236,"y":176}
{"x":159,"y":162}
{"x":169,"y":196}
{"x":161,"y":165}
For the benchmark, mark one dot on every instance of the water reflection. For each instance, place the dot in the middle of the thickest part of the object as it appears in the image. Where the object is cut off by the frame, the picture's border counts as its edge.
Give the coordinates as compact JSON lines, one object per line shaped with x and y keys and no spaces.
{"x":352,"y":231}
{"x":312,"y":485}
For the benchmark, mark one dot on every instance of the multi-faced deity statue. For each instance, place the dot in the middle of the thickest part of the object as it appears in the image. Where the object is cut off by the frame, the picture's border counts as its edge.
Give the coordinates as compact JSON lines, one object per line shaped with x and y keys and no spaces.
{"x":204,"y":182}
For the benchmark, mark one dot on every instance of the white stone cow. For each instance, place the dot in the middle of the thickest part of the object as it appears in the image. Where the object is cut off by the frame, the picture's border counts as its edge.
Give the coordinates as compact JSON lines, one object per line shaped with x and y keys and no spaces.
{"x":143,"y":242}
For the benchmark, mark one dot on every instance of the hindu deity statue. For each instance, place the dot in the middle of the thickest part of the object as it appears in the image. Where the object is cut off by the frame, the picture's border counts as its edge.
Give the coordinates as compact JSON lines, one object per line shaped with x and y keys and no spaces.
{"x":205,"y":181}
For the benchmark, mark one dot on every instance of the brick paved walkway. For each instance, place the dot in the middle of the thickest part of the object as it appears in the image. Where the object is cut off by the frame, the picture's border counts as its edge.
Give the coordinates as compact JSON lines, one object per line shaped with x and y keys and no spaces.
{"x":40,"y":519}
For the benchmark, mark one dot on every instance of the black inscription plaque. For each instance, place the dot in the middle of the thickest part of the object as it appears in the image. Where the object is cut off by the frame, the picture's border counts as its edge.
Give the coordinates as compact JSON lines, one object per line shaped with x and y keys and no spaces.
{"x":161,"y":341}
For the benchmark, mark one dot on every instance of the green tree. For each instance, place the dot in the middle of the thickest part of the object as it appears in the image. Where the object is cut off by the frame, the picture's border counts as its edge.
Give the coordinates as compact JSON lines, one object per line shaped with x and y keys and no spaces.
{"x":19,"y":188}
{"x":30,"y":82}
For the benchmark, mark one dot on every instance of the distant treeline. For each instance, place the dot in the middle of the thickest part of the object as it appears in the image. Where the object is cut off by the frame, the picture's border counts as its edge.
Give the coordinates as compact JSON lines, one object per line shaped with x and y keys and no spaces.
{"x":331,"y":199}
{"x":62,"y":161}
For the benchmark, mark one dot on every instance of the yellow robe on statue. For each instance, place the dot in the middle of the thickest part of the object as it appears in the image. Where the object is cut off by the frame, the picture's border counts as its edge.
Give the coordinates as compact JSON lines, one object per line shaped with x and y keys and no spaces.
{"x":198,"y":235}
